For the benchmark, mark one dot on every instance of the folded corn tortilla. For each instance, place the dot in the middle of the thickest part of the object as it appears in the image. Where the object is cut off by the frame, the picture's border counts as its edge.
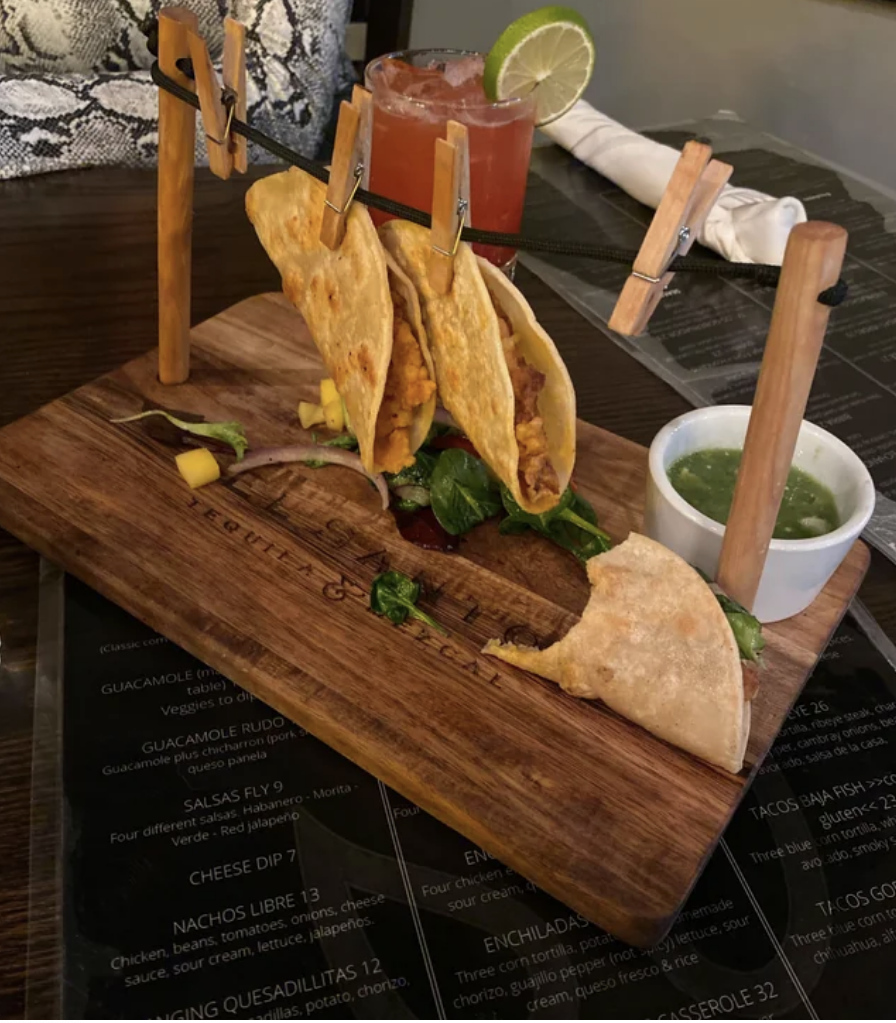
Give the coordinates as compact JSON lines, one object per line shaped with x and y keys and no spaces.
{"x":362,"y":311}
{"x":653,"y":644}
{"x":498,"y":373}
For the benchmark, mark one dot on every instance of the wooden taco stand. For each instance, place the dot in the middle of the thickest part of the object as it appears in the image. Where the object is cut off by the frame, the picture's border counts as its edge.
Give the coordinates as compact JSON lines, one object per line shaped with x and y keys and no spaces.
{"x":266,"y":578}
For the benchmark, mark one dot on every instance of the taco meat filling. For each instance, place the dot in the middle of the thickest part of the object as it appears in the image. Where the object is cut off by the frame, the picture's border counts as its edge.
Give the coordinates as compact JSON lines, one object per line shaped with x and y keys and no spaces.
{"x":536,"y":473}
{"x":408,"y":386}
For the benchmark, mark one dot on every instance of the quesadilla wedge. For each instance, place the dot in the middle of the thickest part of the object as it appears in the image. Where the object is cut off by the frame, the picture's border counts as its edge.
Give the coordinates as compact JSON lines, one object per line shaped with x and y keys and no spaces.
{"x":362,"y":312}
{"x":499,"y":374}
{"x":655,"y":645}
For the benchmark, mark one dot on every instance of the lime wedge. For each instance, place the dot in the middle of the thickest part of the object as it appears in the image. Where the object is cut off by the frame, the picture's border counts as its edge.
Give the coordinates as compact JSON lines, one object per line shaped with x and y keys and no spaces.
{"x":550,"y":53}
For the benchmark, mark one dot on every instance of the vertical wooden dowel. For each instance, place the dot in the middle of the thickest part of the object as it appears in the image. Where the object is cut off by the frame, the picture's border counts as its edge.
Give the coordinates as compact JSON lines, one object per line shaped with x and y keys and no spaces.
{"x":177,"y":141}
{"x":812,"y":262}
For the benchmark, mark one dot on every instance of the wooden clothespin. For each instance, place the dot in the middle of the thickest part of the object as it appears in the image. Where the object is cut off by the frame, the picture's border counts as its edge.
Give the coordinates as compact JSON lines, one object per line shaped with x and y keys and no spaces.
{"x":350,"y":169}
{"x":450,"y":204}
{"x":693,"y":189}
{"x":218,"y":108}
{"x":233,"y":68}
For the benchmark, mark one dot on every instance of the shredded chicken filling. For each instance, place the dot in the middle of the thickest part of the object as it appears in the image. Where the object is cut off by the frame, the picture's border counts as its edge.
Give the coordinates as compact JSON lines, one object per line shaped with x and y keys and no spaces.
{"x":408,"y":386}
{"x":537,"y":474}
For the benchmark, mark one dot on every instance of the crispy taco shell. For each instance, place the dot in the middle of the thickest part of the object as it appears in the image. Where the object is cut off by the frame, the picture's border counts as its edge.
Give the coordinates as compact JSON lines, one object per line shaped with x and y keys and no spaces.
{"x":345,"y":297}
{"x":472,"y":371}
{"x":653,"y":644}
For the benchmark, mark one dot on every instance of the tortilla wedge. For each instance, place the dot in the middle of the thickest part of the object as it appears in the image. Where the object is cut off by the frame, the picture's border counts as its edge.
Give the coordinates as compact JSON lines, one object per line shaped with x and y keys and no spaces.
{"x":474,"y":378}
{"x":655,"y":646}
{"x":346,"y":298}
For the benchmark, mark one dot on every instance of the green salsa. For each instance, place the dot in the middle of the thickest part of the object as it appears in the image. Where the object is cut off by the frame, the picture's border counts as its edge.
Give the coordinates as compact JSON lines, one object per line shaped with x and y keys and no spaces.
{"x":705,"y":479}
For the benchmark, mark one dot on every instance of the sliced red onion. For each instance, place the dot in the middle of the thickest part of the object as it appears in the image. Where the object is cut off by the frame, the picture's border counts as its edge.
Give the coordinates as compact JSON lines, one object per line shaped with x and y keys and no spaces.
{"x":310,"y":453}
{"x":411,"y":492}
{"x":444,"y":417}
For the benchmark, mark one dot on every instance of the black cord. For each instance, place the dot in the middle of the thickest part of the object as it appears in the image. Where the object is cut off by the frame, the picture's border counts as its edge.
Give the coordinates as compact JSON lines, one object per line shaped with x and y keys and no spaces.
{"x":764,"y":274}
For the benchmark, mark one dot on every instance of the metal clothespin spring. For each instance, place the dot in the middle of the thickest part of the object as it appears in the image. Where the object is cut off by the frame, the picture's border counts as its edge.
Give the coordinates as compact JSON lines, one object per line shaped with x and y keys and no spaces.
{"x":462,"y":205}
{"x":359,"y":173}
{"x":228,"y":99}
{"x":684,"y":236}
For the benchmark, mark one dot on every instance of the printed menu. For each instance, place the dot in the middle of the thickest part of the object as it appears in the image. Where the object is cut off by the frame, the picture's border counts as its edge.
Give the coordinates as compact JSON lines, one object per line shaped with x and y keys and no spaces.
{"x":221,"y":863}
{"x":707,"y":335}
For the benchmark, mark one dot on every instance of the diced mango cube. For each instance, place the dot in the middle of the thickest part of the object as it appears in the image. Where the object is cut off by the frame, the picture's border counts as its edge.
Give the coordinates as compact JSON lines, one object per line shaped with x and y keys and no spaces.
{"x":328,"y":392}
{"x":310,"y":415}
{"x":198,"y":467}
{"x":333,"y":416}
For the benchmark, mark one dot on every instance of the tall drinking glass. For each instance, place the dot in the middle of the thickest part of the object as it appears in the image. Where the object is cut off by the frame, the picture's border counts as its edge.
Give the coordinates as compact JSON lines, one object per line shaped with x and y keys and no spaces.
{"x":415,"y":93}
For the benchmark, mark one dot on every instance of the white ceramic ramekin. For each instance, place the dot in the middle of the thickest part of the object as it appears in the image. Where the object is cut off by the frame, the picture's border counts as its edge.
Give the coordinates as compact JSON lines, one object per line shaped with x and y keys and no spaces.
{"x":795,"y":570}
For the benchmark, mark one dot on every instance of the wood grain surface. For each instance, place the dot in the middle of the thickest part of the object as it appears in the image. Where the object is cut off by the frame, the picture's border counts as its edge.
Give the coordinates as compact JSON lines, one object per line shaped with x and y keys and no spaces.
{"x":266,"y":578}
{"x":78,"y":298}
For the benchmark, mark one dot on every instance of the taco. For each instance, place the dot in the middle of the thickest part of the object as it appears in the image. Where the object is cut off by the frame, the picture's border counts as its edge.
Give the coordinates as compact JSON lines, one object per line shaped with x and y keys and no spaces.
{"x":499,"y":374}
{"x":362,"y":312}
{"x":655,"y":645}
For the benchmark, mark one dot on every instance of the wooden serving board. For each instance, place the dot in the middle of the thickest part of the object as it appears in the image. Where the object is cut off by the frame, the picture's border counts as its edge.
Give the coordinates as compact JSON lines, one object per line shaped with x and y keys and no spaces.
{"x":266,"y":578}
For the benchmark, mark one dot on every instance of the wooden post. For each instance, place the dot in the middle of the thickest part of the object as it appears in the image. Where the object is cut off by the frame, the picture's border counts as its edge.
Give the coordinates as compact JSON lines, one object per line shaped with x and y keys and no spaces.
{"x":177,"y":142}
{"x":451,"y":183}
{"x":812,"y":262}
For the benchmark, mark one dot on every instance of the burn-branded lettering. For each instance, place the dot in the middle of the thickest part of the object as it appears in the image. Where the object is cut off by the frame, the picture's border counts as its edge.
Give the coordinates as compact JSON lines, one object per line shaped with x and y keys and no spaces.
{"x":234,"y":528}
{"x":472,"y":614}
{"x":344,"y":588}
{"x":379,"y":560}
{"x":341,"y":531}
{"x":520,"y":635}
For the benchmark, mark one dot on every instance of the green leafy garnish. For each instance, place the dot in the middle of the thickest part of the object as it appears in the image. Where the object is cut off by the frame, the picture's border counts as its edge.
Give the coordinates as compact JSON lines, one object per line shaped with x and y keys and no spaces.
{"x":747,"y":628}
{"x":572,"y":524}
{"x":405,"y":504}
{"x":395,"y":596}
{"x":417,"y":475}
{"x":414,"y":481}
{"x":346,"y":441}
{"x":462,"y":491}
{"x":228,"y":433}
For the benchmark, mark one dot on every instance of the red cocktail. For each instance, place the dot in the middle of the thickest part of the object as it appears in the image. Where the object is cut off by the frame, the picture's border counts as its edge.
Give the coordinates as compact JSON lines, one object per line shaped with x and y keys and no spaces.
{"x":415,"y":94}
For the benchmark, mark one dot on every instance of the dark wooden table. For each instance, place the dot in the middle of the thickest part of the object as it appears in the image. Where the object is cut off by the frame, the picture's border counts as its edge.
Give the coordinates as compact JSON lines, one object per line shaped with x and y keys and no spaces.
{"x":78,"y":297}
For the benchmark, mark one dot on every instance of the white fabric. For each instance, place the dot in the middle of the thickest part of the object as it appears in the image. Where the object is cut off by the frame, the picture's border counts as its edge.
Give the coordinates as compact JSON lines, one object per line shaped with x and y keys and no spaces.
{"x":744,"y":226}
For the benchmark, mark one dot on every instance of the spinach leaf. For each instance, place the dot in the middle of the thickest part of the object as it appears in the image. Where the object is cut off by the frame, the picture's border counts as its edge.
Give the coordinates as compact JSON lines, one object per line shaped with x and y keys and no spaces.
{"x":405,"y":504}
{"x":417,"y":475}
{"x":231,"y":433}
{"x":346,"y":441}
{"x":463,"y":492}
{"x":571,"y":524}
{"x":395,"y":596}
{"x":747,"y":628}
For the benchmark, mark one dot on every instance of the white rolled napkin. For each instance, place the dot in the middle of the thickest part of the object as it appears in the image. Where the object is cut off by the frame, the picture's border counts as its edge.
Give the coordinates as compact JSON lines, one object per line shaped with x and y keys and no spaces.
{"x":744,"y":226}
